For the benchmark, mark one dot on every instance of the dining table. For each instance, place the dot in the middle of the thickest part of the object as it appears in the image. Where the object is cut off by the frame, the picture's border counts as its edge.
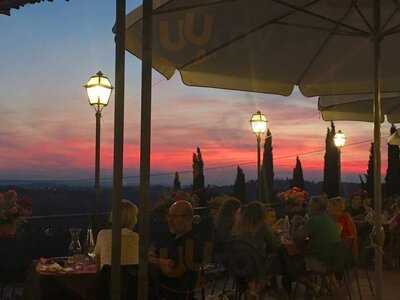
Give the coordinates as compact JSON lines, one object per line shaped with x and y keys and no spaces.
{"x":72,"y":278}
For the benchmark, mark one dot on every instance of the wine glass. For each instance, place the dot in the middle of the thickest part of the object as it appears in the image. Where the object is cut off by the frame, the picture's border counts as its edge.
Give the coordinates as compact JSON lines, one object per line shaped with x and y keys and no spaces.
{"x":90,"y":243}
{"x":75,"y":247}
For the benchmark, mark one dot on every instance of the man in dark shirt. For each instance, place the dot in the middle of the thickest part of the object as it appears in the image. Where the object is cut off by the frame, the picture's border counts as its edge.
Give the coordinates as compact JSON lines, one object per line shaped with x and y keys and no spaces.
{"x":177,"y":263}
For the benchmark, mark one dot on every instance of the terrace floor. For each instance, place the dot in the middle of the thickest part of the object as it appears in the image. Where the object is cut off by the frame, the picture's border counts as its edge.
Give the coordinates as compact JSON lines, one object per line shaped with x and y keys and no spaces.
{"x":391,"y":289}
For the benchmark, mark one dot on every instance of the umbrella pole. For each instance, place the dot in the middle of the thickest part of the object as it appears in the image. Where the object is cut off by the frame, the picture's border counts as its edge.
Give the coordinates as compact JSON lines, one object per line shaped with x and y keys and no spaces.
{"x":145,"y":142}
{"x":118,"y":148}
{"x":377,"y":148}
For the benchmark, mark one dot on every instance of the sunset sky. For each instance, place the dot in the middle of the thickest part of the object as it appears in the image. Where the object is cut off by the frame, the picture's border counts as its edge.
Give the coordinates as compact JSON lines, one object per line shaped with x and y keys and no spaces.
{"x":49,"y":50}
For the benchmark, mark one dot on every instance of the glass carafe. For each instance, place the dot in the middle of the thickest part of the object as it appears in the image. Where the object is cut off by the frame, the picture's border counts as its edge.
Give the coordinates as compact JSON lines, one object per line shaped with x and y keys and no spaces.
{"x":75,"y":247}
{"x":89,"y":243}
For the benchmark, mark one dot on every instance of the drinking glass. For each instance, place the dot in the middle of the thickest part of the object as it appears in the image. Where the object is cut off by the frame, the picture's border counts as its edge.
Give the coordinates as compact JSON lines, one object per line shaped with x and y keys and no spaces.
{"x":90,"y":243}
{"x":75,"y":247}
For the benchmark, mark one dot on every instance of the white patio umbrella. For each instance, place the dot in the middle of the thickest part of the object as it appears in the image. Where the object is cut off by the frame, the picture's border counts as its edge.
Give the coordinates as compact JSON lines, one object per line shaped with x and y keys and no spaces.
{"x":359,"y":107}
{"x":326,"y":47}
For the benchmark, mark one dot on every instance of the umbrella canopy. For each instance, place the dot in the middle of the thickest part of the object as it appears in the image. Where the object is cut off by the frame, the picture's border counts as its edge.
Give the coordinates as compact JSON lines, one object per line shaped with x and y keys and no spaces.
{"x":359,"y":107}
{"x":269,"y":46}
{"x":7,"y":5}
{"x":326,"y":47}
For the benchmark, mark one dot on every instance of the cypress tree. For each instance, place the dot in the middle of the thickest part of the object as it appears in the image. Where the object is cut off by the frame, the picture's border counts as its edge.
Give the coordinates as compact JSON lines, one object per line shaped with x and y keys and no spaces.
{"x":392,"y":179}
{"x":363,"y":185}
{"x":369,"y":176}
{"x":177,"y":182}
{"x":198,"y":171}
{"x":298,"y":178}
{"x":331,"y":182}
{"x":239,"y":188}
{"x":267,"y":170}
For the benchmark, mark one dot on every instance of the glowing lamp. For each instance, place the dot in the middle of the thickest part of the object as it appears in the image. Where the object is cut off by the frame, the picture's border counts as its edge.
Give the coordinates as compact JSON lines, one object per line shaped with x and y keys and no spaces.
{"x":258,"y":123}
{"x":339,"y":139}
{"x":99,"y":90}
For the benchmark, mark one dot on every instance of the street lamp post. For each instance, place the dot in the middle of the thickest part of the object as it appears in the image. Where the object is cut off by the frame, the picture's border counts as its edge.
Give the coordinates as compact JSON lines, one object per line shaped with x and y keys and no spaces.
{"x":99,"y":90}
{"x":258,"y":123}
{"x":340,"y":140}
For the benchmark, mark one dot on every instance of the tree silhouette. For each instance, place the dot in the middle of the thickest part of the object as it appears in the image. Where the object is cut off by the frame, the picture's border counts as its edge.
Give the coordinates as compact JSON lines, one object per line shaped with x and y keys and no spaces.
{"x":298,"y":179}
{"x":369,"y":176}
{"x":392,"y":179}
{"x":267,"y":170}
{"x":331,"y":184}
{"x":177,"y":182}
{"x":198,"y":171}
{"x":239,"y":188}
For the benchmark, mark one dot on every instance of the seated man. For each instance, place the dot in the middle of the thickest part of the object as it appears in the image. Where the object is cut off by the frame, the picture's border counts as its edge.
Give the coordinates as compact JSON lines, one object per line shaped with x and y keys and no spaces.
{"x":322,"y":232}
{"x":356,"y":209}
{"x":176,"y":266}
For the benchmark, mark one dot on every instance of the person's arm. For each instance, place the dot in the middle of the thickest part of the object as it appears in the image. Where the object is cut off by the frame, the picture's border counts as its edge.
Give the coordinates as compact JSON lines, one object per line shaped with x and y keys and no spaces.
{"x":97,"y":249}
{"x":171,"y":264}
{"x":273,"y":243}
{"x":302,"y":233}
{"x":352,"y":226}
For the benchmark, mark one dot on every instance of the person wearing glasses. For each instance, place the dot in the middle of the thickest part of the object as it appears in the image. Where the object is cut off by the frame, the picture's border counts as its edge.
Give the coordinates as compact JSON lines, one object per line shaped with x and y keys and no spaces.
{"x":175,"y":267}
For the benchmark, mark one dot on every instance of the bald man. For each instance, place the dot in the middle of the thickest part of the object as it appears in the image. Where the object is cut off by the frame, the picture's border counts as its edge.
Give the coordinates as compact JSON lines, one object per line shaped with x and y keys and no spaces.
{"x":180,"y":218}
{"x":177,"y":263}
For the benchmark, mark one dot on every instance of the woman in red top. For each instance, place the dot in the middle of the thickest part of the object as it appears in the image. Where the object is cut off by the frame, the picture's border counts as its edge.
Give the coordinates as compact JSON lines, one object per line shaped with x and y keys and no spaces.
{"x":336,"y":209}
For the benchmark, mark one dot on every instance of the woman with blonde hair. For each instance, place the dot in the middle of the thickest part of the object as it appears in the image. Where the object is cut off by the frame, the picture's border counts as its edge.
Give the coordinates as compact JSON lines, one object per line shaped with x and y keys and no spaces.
{"x":129,"y":239}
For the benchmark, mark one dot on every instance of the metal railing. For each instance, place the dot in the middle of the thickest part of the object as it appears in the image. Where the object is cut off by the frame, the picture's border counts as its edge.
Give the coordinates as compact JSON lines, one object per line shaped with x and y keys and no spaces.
{"x":48,"y":236}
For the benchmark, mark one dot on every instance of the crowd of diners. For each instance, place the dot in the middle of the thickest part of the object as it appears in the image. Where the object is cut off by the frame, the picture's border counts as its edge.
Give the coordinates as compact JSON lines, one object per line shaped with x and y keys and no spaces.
{"x":182,"y":242}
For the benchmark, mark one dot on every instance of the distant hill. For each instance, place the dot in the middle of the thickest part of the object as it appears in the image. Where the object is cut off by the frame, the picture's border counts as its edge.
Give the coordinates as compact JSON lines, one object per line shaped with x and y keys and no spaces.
{"x":50,"y":198}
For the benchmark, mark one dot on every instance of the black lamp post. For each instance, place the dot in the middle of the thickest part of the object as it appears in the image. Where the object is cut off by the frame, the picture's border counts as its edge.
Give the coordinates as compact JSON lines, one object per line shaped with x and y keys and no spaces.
{"x":99,"y":90}
{"x":340,"y":140}
{"x":258,"y":123}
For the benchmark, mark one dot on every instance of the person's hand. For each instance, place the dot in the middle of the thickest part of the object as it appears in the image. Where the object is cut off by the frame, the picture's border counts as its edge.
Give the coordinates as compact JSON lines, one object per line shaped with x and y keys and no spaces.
{"x":169,"y":268}
{"x":153,"y":259}
{"x":167,"y":264}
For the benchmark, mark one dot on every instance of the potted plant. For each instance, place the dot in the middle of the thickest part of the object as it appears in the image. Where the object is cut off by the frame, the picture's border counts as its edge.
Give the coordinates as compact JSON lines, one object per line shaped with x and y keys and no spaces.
{"x":294,"y":200}
{"x":12,"y":212}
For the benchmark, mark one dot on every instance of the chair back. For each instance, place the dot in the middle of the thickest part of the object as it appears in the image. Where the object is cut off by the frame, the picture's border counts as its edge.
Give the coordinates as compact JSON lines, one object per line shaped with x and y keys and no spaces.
{"x":128,"y":283}
{"x":340,"y":257}
{"x":244,"y":261}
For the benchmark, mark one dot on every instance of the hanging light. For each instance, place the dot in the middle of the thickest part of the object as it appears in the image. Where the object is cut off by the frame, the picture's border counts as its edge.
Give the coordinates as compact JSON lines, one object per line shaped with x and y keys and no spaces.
{"x":339,"y":139}
{"x":258,"y":123}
